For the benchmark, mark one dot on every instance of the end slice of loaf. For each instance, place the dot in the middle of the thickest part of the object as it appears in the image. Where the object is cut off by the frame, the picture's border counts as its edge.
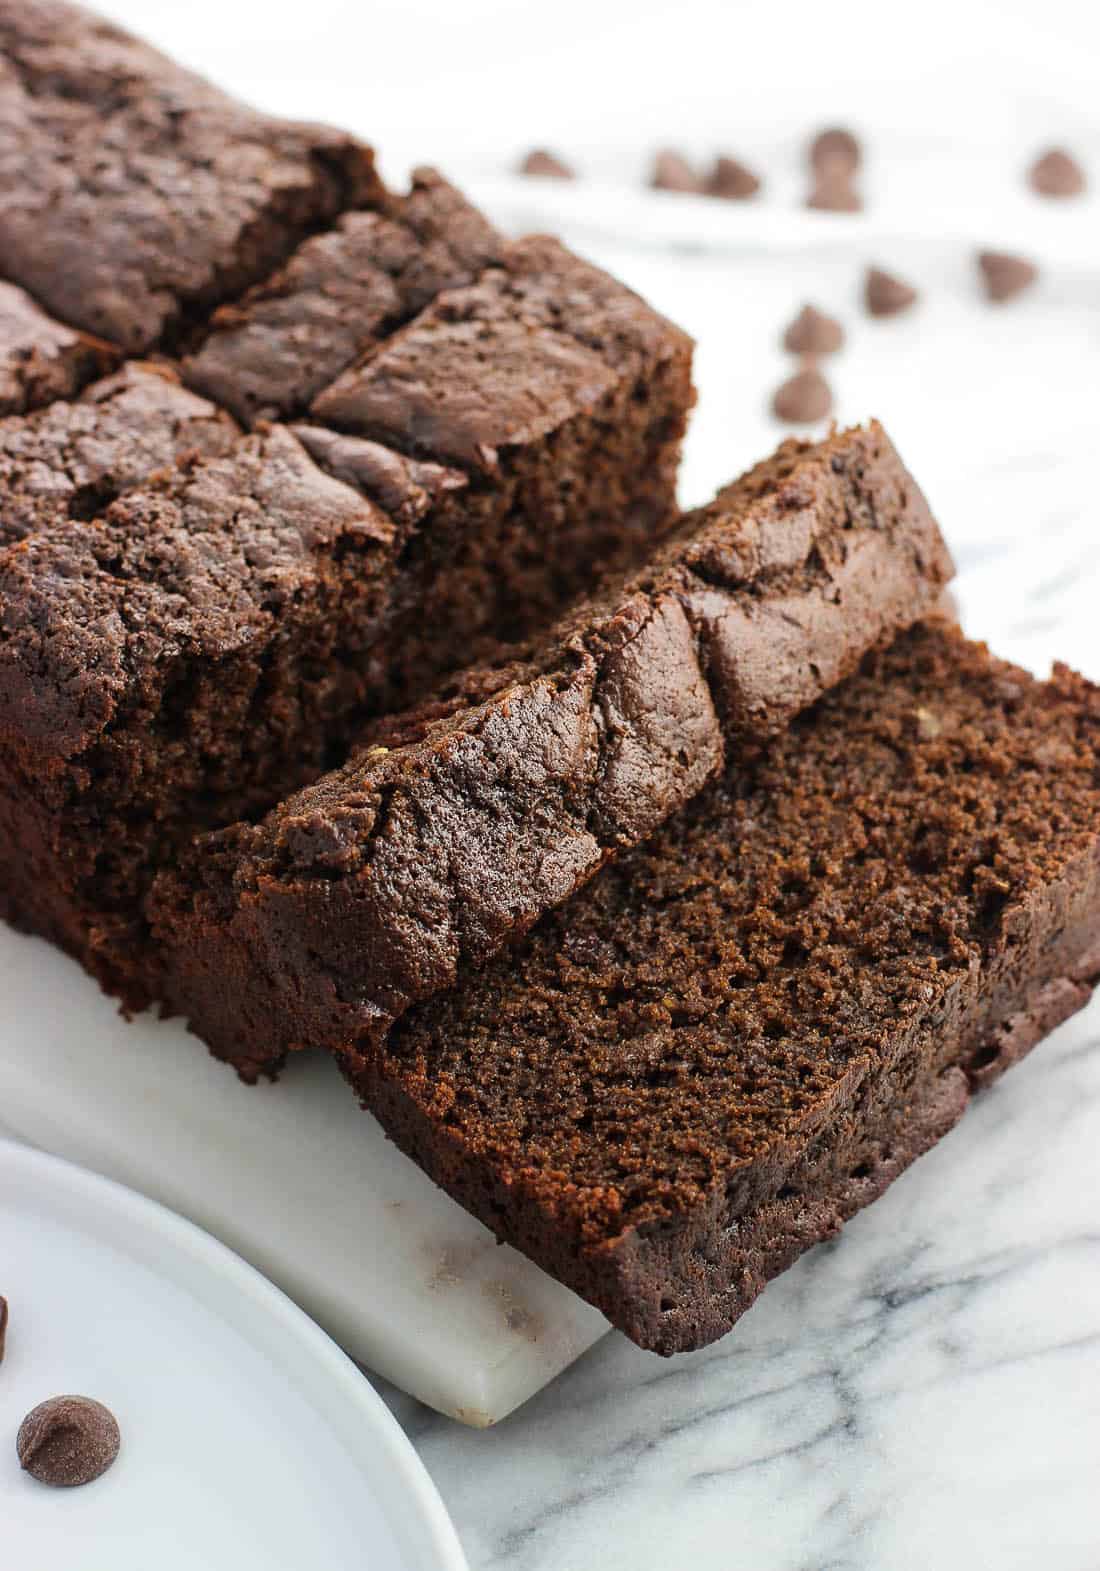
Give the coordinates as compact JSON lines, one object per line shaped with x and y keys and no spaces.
{"x":739,"y":1034}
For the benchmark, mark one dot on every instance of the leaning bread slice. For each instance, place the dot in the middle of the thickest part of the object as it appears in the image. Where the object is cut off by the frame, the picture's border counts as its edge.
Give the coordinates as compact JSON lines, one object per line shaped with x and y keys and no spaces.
{"x":740,"y":1033}
{"x":458,"y":826}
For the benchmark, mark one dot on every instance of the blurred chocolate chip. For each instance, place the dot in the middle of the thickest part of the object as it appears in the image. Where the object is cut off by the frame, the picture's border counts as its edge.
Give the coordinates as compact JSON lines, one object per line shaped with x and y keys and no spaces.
{"x":3,"y":1325}
{"x":68,"y":1440}
{"x":804,"y":398}
{"x":672,"y":172}
{"x":732,"y":180}
{"x":885,"y":295}
{"x":835,"y":151}
{"x":813,"y":333}
{"x":833,"y":192}
{"x":546,"y":165}
{"x":1005,"y":275}
{"x":1056,"y":173}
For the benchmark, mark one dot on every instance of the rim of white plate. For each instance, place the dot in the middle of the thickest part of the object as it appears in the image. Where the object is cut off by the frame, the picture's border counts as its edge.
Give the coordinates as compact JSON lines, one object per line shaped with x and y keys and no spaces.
{"x":230,"y":1281}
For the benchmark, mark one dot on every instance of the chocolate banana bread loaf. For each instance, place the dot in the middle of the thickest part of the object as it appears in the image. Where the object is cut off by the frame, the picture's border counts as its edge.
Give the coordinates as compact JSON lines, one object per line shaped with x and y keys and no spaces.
{"x":739,"y":1034}
{"x":453,"y":828}
{"x":187,"y":653}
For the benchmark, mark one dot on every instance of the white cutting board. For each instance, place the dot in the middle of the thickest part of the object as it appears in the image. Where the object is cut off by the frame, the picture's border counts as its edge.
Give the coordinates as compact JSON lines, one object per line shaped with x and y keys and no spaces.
{"x":292,"y":1176}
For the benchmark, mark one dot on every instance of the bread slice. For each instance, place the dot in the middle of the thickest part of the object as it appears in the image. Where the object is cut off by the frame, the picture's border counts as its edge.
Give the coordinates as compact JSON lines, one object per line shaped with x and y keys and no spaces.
{"x":452,"y":829}
{"x":739,"y":1034}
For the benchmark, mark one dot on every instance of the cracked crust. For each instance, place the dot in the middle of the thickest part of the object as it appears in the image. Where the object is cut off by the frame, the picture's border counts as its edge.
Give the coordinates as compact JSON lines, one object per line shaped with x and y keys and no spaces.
{"x":270,"y":354}
{"x":183,"y":640}
{"x":66,"y":463}
{"x":135,"y":197}
{"x":504,"y":362}
{"x":41,"y":359}
{"x":456,"y":827}
{"x":744,"y":1030}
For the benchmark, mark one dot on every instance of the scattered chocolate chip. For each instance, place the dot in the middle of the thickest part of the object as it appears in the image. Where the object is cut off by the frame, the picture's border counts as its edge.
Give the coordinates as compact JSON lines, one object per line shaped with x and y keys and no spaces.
{"x":834,"y":192}
{"x":68,"y":1440}
{"x":3,"y":1325}
{"x":1057,"y":174}
{"x":885,"y":295}
{"x":804,"y":398}
{"x":672,"y":172}
{"x":546,"y":166}
{"x":732,"y":180}
{"x":813,"y":333}
{"x":1005,"y":275}
{"x":835,"y":151}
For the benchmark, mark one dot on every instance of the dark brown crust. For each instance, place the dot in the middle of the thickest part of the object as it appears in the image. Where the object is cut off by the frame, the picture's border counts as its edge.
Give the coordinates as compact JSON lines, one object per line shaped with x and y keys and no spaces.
{"x":504,"y":362}
{"x":272,"y":353}
{"x":134,"y":197}
{"x":67,"y":463}
{"x":41,"y":359}
{"x":383,"y":883}
{"x":935,"y":1016}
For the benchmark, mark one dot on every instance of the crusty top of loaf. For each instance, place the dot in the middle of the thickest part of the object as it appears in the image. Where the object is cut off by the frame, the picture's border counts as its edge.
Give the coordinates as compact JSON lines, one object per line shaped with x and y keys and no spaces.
{"x":133,"y":193}
{"x":41,"y":359}
{"x":70,"y":460}
{"x":338,"y":297}
{"x":503,"y":361}
{"x":202,"y":561}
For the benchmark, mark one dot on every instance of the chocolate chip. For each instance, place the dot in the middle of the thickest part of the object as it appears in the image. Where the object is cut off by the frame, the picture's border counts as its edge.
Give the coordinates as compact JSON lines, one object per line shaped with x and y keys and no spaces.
{"x":813,"y":333}
{"x":835,"y":150}
{"x":1005,"y":275}
{"x":68,"y":1440}
{"x":834,"y":192}
{"x":732,"y":180}
{"x":885,"y":295}
{"x":3,"y":1325}
{"x":1056,"y":173}
{"x":804,"y":398}
{"x":672,"y":172}
{"x":546,"y":165}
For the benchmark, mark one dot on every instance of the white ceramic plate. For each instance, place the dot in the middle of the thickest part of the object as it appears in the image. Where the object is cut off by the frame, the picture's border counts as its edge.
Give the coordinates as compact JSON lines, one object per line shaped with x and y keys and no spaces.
{"x":248,"y":1439}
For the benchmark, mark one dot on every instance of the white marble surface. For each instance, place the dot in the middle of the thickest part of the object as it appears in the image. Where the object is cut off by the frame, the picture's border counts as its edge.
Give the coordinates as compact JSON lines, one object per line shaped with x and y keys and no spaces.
{"x":923,"y":1394}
